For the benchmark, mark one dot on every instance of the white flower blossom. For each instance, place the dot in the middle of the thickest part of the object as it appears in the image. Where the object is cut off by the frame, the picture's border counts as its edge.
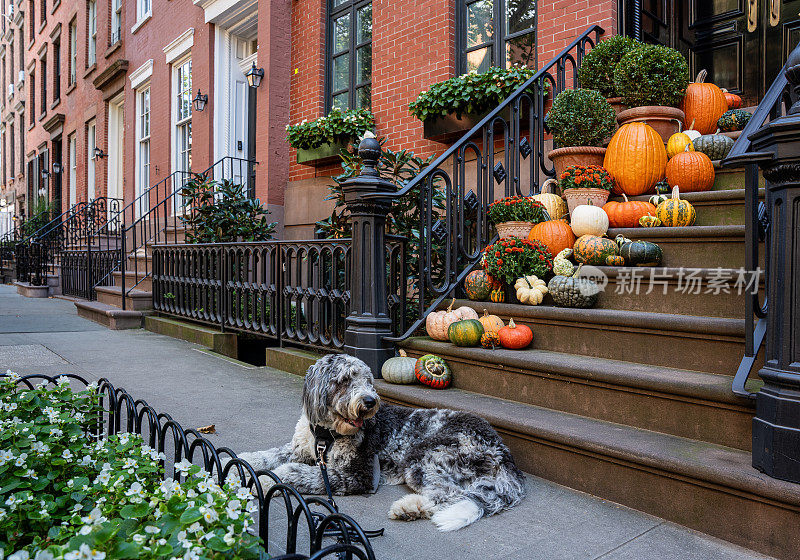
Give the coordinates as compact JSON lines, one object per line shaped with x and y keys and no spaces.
{"x":67,"y":454}
{"x":11,"y":376}
{"x":5,"y":456}
{"x":85,"y":553}
{"x":209,"y":514}
{"x":19,"y":555}
{"x":138,"y":539}
{"x":62,"y":380}
{"x":194,"y":527}
{"x":183,"y":467}
{"x":95,"y":517}
{"x":21,"y":459}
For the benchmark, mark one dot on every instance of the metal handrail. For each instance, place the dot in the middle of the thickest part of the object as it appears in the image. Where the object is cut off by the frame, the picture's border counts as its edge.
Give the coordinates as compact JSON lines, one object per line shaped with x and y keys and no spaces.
{"x":461,"y":220}
{"x":776,"y":102}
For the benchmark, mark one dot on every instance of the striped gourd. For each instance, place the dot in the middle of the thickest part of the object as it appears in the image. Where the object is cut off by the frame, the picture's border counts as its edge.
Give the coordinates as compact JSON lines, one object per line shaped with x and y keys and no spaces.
{"x":676,"y":212}
{"x":594,"y":250}
{"x":635,"y":159}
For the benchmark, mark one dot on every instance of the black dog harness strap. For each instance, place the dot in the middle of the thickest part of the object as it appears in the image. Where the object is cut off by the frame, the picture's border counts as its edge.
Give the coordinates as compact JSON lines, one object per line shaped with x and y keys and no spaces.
{"x":323,"y":441}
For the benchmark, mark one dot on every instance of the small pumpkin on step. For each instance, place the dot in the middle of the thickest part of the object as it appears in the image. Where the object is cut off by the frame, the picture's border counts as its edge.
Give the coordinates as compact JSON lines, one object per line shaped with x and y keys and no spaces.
{"x":399,"y":370}
{"x":514,"y":336}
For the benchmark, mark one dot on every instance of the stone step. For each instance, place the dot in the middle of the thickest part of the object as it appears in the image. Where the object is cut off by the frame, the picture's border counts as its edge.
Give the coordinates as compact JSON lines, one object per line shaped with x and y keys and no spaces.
{"x":731,"y":178}
{"x":709,"y":344}
{"x":679,"y":402}
{"x":704,"y":486}
{"x":714,"y":208}
{"x":694,"y":246}
{"x":708,"y":292}
{"x":110,"y":316}
{"x":132,"y":278}
{"x":225,"y":343}
{"x":136,"y":300}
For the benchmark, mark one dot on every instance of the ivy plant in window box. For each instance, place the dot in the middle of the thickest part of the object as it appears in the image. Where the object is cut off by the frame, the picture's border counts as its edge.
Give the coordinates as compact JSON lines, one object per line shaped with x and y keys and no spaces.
{"x":322,"y":140}
{"x":458,"y":104}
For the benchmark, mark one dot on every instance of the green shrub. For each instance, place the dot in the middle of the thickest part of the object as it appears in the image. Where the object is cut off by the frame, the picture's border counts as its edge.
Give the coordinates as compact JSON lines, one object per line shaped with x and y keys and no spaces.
{"x":336,"y":126}
{"x":66,"y":495}
{"x":219,"y":211}
{"x":652,"y":75}
{"x":469,"y":93}
{"x":580,"y":117}
{"x":597,"y":69}
{"x":40,"y":217}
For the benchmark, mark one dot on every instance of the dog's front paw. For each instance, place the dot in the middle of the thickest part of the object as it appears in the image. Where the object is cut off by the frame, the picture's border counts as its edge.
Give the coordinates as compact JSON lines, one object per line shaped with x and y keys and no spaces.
{"x":411,"y":507}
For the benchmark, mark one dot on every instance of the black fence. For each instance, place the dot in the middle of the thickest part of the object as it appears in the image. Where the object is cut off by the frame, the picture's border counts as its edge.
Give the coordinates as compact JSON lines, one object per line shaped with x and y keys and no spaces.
{"x":294,"y":292}
{"x":312,"y":523}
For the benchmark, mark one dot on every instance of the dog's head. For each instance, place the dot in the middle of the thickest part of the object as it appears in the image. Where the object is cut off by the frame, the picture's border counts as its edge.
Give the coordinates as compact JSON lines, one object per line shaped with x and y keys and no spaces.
{"x":338,"y":394}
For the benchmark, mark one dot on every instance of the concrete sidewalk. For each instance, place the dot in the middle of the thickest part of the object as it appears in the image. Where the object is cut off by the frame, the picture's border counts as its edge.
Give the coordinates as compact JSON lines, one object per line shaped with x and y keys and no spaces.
{"x":257,"y":407}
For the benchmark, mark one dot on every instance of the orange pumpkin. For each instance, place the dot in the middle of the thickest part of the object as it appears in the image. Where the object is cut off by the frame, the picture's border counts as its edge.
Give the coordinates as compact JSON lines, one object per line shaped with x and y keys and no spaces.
{"x":734,"y":101}
{"x":556,"y":234}
{"x":704,"y":104}
{"x":627,"y":214}
{"x":691,"y":171}
{"x":635,"y":159}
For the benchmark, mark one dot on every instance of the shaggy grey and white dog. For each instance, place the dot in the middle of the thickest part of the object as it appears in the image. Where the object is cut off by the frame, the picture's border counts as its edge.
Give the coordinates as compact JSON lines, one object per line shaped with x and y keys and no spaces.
{"x":457,"y":465}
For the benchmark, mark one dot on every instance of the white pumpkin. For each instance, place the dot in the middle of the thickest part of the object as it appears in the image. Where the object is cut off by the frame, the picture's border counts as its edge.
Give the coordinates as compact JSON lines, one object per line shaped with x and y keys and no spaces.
{"x":399,"y":370}
{"x":589,"y":220}
{"x":438,"y":322}
{"x":691,"y":133}
{"x":530,"y":290}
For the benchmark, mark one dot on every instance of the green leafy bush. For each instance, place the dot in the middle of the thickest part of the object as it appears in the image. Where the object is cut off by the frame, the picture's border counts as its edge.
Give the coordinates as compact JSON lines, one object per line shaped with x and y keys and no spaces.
{"x":516,"y":209}
{"x":469,"y":93}
{"x":652,"y":75}
{"x":219,"y":211}
{"x":580,"y":117}
{"x":41,"y":216}
{"x":66,"y":495}
{"x":510,"y":258}
{"x":336,"y":126}
{"x":597,"y":69}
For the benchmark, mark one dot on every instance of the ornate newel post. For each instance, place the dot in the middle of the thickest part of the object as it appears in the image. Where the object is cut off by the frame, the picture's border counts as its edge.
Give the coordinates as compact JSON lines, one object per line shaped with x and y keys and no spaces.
{"x":369,"y":322}
{"x":776,"y":427}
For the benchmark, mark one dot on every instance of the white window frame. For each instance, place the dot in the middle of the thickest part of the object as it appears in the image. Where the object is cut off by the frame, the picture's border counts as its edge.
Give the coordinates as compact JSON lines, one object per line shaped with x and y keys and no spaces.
{"x":142,"y":148}
{"x":181,"y":124}
{"x":91,"y":172}
{"x":91,"y":9}
{"x":116,"y":21}
{"x":144,"y":11}
{"x":72,"y":161}
{"x":73,"y":52}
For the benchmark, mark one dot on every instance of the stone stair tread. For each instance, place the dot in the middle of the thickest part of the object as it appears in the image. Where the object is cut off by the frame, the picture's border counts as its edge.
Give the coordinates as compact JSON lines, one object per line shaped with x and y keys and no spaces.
{"x":677,"y":456}
{"x":704,"y":196}
{"x":695,"y":384}
{"x":130,"y":293}
{"x":680,"y":232}
{"x":106,"y":309}
{"x":622,"y":318}
{"x":671,"y":272}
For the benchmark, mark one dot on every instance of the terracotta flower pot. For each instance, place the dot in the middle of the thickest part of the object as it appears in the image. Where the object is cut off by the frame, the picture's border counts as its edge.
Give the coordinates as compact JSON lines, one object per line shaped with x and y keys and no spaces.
{"x":616,"y":104}
{"x":576,"y":155}
{"x":514,"y":229}
{"x":665,"y":120}
{"x":576,"y":197}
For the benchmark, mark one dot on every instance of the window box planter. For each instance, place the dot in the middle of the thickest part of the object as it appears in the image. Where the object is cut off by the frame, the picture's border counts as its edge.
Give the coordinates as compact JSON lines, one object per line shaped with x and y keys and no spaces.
{"x":322,"y":155}
{"x":450,"y":127}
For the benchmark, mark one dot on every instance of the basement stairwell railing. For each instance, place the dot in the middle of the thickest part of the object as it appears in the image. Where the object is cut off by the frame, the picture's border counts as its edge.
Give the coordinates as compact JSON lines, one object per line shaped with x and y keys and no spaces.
{"x":504,"y":152}
{"x":757,"y":222}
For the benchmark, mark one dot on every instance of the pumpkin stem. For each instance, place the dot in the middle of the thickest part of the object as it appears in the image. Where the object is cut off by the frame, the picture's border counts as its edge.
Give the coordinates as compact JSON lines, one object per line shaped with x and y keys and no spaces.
{"x":450,"y":307}
{"x":686,"y":147}
{"x":402,"y":353}
{"x":701,"y":76}
{"x":511,"y":324}
{"x":676,"y":193}
{"x":577,"y":270}
{"x":691,"y":126}
{"x":625,"y":197}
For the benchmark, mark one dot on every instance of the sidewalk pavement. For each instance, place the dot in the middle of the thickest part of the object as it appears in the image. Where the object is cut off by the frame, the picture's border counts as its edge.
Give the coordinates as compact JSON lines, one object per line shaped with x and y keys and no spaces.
{"x":257,"y":407}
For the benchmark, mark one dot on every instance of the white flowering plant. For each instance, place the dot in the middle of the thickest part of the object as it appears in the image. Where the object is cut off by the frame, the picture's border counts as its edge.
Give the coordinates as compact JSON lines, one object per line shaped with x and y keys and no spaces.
{"x":67,"y":494}
{"x":471,"y":93}
{"x":336,"y":126}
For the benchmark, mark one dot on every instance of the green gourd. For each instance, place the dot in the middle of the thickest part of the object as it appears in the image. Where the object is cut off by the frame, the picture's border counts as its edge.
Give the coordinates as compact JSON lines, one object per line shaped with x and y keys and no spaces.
{"x":640,"y":253}
{"x":399,"y":370}
{"x":465,"y":333}
{"x":734,"y":119}
{"x":715,"y":146}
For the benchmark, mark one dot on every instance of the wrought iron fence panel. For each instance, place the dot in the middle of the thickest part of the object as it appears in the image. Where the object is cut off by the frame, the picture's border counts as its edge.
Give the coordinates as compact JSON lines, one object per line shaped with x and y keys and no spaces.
{"x":293,"y":292}
{"x":81,"y":270}
{"x":315,"y":520}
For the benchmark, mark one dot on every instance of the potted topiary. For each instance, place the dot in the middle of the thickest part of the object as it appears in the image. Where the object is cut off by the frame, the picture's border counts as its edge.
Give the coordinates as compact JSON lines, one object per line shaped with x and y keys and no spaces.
{"x":515,"y":216}
{"x":597,"y":69}
{"x":585,"y":185}
{"x":580,"y":120}
{"x":652,"y":80}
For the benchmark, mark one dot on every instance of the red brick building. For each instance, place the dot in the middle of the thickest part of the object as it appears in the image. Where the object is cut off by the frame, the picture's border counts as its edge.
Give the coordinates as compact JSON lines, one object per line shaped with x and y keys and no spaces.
{"x":103,"y":88}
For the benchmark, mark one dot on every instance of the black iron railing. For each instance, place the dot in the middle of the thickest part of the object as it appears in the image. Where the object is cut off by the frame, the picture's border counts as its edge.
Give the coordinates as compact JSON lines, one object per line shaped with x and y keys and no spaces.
{"x":775,"y":103}
{"x":162,"y":222}
{"x":8,"y":242}
{"x":292,"y":292}
{"x":503,"y":153}
{"x":311,"y":522}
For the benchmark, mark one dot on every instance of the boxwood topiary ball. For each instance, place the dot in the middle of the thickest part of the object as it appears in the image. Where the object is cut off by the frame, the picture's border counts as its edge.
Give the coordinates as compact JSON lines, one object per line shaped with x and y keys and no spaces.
{"x":652,"y":75}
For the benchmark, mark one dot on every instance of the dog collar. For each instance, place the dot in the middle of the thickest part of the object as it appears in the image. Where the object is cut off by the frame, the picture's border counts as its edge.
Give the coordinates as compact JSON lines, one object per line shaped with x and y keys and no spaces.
{"x":323,"y":441}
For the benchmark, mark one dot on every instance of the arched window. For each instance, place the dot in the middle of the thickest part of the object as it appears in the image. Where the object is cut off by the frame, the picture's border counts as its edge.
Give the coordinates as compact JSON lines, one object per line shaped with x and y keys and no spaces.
{"x":349,"y":54}
{"x":496,"y":33}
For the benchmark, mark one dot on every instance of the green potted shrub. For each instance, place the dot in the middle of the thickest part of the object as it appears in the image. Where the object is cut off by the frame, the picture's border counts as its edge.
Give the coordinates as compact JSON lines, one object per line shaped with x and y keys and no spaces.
{"x":580,"y":121}
{"x":322,"y":140}
{"x":515,"y":216}
{"x":585,"y":185}
{"x":652,"y":80}
{"x":597,"y":69}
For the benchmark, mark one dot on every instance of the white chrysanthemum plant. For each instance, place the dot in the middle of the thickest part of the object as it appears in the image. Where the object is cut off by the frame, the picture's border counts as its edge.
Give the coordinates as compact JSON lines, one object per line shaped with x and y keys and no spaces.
{"x":65,"y":495}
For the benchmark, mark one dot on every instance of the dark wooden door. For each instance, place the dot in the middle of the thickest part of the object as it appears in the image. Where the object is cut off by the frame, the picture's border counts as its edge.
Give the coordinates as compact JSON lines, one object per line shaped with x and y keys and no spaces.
{"x":782,"y":33}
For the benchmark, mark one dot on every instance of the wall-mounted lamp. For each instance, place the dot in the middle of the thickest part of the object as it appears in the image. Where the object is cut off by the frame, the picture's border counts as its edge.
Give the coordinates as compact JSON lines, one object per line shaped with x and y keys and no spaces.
{"x":254,"y":76}
{"x":42,"y":192}
{"x":56,"y":167}
{"x":98,"y":153}
{"x":45,"y":173}
{"x":200,"y":101}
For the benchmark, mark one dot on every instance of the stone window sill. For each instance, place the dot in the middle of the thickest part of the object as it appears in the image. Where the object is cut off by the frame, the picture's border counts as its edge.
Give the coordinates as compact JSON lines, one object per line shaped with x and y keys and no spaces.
{"x":55,"y":104}
{"x":71,"y":87}
{"x":113,"y":48}
{"x":89,"y":70}
{"x":145,"y":18}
